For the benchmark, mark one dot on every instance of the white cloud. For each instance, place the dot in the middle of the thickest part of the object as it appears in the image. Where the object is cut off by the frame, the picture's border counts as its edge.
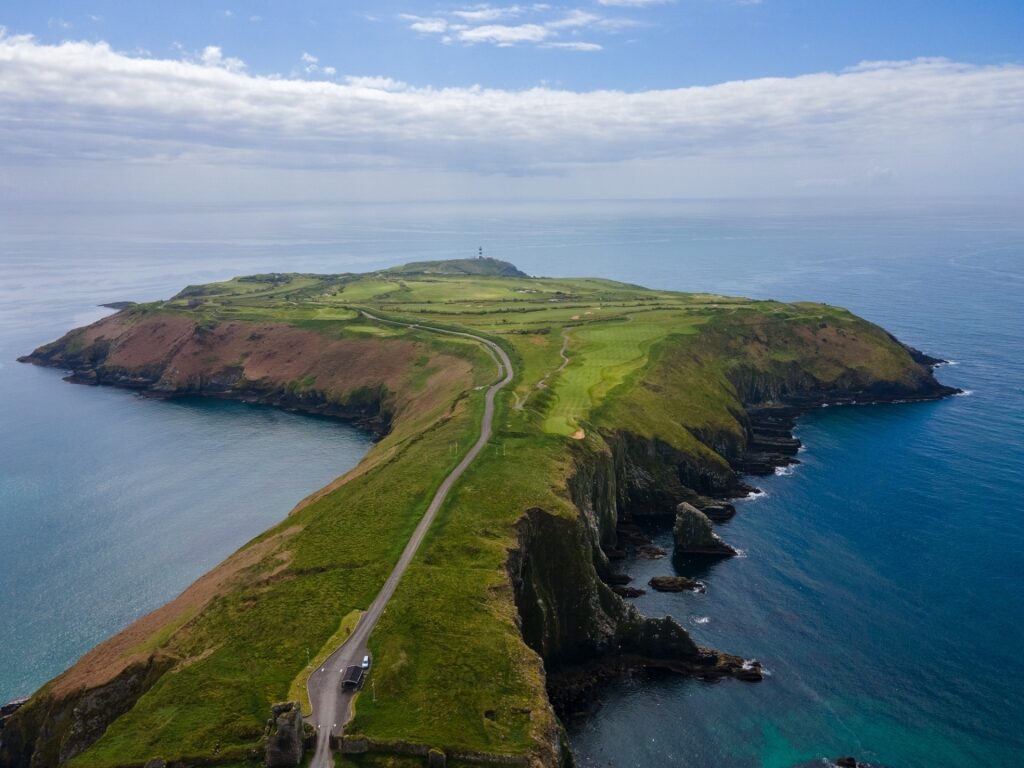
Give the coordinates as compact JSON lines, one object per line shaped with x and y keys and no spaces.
{"x":575,"y":18}
{"x":311,"y":66}
{"x":574,"y":46}
{"x":213,"y":56}
{"x":484,"y":13}
{"x":928,"y":125}
{"x":534,"y":24}
{"x":424,"y":25}
{"x":376,"y":83}
{"x":503,"y":35}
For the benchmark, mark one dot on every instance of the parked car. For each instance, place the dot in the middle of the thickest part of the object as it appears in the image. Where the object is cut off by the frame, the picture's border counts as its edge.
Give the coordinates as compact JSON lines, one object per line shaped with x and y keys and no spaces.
{"x":366,"y":662}
{"x":352,"y":679}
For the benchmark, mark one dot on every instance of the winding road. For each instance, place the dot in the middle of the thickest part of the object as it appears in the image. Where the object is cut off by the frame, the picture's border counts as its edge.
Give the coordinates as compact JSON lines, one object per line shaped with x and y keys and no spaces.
{"x":332,"y":707}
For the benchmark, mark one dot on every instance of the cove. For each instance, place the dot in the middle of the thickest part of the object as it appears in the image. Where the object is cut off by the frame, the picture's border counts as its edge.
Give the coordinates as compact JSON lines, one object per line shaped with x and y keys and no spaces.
{"x":112,"y":503}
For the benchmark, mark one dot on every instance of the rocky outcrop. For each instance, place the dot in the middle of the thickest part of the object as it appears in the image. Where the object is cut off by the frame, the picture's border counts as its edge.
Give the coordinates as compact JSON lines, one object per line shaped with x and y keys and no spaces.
{"x":694,"y":535}
{"x":675,"y":584}
{"x":284,"y":736}
{"x":568,"y":613}
{"x":717,"y":510}
{"x":628,"y":591}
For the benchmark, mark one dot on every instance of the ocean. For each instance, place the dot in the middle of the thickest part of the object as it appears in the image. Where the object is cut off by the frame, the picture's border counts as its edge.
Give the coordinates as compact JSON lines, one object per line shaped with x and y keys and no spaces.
{"x":880,"y":579}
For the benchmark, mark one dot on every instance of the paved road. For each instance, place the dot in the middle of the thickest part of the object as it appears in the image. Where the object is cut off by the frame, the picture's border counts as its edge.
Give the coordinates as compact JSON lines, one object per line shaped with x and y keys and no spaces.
{"x":331,"y":706}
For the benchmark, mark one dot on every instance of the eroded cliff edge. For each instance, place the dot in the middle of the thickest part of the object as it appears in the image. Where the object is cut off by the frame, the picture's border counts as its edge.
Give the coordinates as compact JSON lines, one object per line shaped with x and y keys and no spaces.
{"x":703,"y":409}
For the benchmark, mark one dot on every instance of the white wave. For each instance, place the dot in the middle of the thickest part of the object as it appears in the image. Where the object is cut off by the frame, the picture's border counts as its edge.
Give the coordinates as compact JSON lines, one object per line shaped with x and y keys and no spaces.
{"x":802,"y":449}
{"x":699,"y":619}
{"x":754,"y":495}
{"x":784,"y":471}
{"x":741,"y":553}
{"x":964,"y":393}
{"x":947,"y":362}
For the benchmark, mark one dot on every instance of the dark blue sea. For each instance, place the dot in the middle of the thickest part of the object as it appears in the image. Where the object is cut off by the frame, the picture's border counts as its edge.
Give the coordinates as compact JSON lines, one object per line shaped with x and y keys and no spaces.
{"x":880,"y":581}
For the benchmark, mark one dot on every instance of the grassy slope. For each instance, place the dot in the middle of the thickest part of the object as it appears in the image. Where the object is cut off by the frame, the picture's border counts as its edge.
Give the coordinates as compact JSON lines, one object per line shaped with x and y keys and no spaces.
{"x":451,"y":669}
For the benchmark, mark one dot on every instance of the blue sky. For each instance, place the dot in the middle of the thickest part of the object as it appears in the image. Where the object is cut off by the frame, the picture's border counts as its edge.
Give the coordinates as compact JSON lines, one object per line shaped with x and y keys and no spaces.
{"x":322,"y":101}
{"x":643,"y":45}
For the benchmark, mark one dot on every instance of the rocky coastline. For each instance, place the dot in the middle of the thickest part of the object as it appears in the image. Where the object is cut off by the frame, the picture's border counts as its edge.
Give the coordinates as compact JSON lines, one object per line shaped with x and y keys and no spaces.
{"x":770,"y":443}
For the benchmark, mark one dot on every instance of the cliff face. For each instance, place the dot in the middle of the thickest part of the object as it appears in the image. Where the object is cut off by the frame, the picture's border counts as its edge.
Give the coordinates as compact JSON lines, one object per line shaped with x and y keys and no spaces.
{"x":52,"y":729}
{"x":569,"y":615}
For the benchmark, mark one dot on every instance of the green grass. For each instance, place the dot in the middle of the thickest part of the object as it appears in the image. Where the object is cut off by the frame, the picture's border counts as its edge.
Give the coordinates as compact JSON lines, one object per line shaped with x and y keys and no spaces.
{"x":601,"y":357}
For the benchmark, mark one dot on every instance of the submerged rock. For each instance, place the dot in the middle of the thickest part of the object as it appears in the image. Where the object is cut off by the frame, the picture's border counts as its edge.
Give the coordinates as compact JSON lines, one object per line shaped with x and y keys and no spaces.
{"x":628,"y":591}
{"x":675,"y":584}
{"x":650,"y":552}
{"x":694,"y":536}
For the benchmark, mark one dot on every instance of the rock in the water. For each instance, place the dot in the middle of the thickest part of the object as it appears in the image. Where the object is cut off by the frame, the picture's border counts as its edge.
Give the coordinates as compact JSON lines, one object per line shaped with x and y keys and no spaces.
{"x":719,"y":511}
{"x":716,"y":509}
{"x":694,"y":536}
{"x":628,"y":591}
{"x":750,"y":671}
{"x":650,"y":552}
{"x":846,"y":762}
{"x":675,"y":584}
{"x":284,"y":741}
{"x":613,"y":553}
{"x":618,"y":579}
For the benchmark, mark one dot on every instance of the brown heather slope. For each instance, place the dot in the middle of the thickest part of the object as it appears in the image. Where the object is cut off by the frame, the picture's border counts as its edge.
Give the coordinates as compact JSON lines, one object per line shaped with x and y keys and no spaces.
{"x":176,"y":354}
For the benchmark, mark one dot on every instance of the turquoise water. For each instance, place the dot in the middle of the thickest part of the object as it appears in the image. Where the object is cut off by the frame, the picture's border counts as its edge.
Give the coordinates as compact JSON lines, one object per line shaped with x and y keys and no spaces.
{"x":881,"y":580}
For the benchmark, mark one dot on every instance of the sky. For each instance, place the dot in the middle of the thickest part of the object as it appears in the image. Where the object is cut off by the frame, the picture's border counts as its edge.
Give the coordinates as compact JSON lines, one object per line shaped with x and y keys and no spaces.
{"x":298,"y":101}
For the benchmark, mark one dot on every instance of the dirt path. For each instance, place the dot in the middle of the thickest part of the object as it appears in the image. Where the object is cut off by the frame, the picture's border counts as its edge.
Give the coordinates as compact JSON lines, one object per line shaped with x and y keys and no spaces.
{"x":332,"y":706}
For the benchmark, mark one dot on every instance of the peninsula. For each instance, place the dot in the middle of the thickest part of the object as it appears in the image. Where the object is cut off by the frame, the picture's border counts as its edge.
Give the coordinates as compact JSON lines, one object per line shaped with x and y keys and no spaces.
{"x":524,"y":424}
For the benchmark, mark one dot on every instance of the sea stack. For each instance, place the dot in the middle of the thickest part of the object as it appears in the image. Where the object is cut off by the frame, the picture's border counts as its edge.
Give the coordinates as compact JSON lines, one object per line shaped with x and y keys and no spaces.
{"x":694,"y":536}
